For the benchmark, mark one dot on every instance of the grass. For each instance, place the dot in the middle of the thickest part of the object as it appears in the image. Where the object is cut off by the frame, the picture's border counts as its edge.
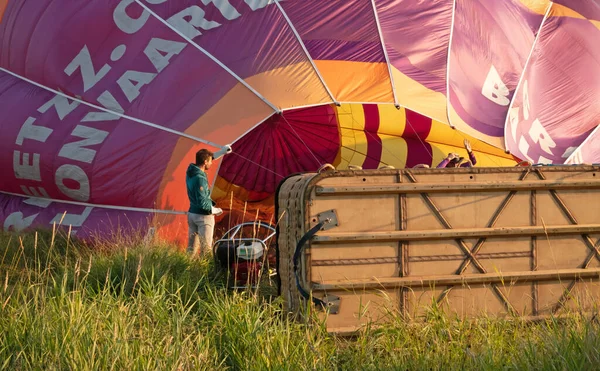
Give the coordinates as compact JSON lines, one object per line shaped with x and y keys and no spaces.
{"x":131,"y":305}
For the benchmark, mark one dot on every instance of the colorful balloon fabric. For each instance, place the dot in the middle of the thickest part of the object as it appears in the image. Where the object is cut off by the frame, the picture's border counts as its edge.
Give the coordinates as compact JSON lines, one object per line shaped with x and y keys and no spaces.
{"x":103,"y":103}
{"x":370,"y":136}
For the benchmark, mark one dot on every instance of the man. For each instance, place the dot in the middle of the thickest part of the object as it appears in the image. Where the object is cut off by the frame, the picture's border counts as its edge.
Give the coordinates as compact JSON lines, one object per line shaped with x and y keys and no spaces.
{"x":201,"y":219}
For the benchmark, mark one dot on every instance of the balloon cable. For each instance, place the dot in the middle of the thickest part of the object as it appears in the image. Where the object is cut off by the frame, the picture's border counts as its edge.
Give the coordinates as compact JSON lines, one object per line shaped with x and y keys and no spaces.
{"x":319,"y":164}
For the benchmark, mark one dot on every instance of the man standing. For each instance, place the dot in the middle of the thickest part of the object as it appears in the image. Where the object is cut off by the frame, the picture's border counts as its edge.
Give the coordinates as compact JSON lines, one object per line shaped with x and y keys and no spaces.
{"x":201,"y":219}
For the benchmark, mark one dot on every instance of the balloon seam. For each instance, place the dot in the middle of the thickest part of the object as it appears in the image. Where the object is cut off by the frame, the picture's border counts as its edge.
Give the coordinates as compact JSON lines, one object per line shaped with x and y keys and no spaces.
{"x":520,"y":82}
{"x":448,"y":65}
{"x":356,"y":102}
{"x":209,"y":55}
{"x":252,"y":128}
{"x":99,"y":206}
{"x":385,"y":53}
{"x":303,"y":46}
{"x":139,"y":121}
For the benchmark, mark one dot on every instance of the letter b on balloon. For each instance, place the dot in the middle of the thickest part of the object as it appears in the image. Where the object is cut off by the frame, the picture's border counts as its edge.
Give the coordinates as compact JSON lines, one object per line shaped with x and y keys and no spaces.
{"x":495,"y":89}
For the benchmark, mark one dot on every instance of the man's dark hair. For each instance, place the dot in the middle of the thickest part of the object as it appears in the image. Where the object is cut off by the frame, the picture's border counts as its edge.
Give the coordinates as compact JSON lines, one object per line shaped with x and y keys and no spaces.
{"x":203,"y":155}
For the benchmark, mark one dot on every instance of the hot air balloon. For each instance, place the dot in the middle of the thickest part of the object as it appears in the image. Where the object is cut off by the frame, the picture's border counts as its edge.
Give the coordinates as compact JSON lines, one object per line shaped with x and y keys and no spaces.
{"x":103,"y":104}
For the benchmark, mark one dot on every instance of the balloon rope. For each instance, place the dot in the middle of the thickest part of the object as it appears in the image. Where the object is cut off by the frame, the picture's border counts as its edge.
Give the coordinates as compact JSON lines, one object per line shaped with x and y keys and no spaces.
{"x":257,"y":164}
{"x":111,"y":111}
{"x":430,"y":153}
{"x":319,"y":164}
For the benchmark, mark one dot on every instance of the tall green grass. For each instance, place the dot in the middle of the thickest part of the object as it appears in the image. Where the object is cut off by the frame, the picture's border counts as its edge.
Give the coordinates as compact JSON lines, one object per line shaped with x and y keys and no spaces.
{"x":132,"y":305}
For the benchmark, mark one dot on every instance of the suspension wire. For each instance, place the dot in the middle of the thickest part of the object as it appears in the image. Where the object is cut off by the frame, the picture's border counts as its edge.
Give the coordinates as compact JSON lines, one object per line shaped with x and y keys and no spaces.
{"x":257,"y":164}
{"x":423,"y":143}
{"x":354,"y":134}
{"x":372,"y":135}
{"x":427,"y":148}
{"x":272,"y":171}
{"x":319,"y":164}
{"x":298,"y":136}
{"x":342,"y":146}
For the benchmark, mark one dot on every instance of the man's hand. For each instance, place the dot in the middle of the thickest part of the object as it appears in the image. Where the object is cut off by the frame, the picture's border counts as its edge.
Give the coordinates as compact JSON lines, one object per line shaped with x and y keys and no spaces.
{"x":223,"y":151}
{"x":217,"y":211}
{"x":451,"y":156}
{"x":468,"y":145}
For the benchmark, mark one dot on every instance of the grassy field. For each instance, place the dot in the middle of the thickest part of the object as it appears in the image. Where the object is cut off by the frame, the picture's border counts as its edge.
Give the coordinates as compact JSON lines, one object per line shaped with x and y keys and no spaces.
{"x":129,"y":306}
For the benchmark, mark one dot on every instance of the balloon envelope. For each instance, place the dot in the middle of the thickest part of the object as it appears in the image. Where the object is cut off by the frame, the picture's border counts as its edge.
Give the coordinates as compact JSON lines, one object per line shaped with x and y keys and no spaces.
{"x":104,"y":103}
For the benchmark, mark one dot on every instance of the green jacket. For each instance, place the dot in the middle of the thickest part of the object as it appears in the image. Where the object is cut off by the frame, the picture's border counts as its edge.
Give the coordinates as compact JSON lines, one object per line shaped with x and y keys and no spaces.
{"x":198,"y":191}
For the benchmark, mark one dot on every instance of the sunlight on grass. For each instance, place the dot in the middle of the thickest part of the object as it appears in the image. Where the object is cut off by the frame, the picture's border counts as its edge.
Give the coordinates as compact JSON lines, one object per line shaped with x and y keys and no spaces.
{"x":132,"y":305}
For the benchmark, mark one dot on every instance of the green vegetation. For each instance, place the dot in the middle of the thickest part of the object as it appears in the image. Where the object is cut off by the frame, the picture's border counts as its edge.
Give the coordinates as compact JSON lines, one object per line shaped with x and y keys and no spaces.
{"x":128,"y":305}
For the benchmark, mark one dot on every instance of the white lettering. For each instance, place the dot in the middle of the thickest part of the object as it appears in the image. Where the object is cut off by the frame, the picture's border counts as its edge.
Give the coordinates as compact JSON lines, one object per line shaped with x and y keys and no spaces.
{"x":39,"y":202}
{"x":30,"y":131}
{"x":125,"y":22}
{"x":76,"y":151}
{"x":575,"y":158}
{"x":160,"y":51}
{"x":188,"y":28}
{"x":524,"y":148}
{"x":131,"y":90}
{"x":17,"y":222}
{"x":108,"y":101}
{"x":23,"y":169}
{"x":32,"y":191}
{"x":495,"y":89}
{"x":74,"y":220}
{"x":568,"y":152}
{"x":62,"y":105}
{"x":539,"y":135}
{"x":83,"y":60}
{"x":76,"y":174}
{"x":155,"y":2}
{"x":227,"y":10}
{"x":258,"y":4}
